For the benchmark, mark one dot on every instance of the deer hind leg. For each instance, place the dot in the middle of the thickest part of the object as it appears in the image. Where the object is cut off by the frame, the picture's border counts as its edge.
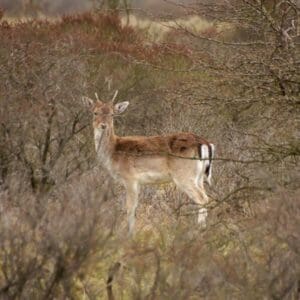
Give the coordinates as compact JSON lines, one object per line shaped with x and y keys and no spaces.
{"x":132,"y":191}
{"x":199,"y":184}
{"x":194,"y":188}
{"x":199,"y":196}
{"x":202,"y":215}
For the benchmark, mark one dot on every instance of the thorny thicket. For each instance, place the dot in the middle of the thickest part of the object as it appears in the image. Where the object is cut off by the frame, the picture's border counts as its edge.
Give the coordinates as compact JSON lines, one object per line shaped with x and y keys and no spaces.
{"x":236,"y":83}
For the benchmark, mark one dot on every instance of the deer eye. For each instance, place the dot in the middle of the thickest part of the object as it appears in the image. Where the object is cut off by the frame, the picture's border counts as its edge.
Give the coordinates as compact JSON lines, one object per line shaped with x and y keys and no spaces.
{"x":95,"y":114}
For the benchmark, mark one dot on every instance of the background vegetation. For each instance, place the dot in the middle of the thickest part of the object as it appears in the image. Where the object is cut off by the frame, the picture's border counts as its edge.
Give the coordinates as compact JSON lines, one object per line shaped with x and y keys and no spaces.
{"x":226,"y":71}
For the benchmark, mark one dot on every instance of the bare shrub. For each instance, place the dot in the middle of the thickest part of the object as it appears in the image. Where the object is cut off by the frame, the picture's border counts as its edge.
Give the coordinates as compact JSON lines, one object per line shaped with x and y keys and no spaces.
{"x":48,"y":242}
{"x":61,"y":227}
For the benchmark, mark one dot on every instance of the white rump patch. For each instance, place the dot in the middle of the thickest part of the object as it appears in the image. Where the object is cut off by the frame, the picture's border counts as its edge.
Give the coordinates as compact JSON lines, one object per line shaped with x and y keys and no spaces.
{"x":212,"y":146}
{"x":204,"y":152}
{"x":205,"y":156}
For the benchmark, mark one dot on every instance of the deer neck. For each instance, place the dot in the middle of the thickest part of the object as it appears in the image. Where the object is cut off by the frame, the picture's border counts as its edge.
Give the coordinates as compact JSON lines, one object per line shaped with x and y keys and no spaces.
{"x":104,"y":144}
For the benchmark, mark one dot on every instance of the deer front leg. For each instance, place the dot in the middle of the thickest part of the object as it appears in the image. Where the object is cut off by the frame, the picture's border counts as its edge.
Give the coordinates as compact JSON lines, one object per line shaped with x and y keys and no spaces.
{"x":132,"y":191}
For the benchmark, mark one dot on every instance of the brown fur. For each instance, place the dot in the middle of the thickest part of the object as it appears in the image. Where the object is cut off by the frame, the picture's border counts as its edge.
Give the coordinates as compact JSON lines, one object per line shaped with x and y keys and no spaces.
{"x":176,"y":143}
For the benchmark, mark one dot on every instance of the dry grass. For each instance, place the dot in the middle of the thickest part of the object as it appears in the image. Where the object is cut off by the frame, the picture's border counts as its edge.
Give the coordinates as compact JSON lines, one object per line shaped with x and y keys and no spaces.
{"x":153,"y":30}
{"x":157,"y":31}
{"x":12,"y":20}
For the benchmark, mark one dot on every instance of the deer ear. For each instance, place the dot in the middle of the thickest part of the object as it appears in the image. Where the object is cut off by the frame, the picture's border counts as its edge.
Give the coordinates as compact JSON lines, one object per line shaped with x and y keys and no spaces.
{"x":119,"y":108}
{"x":88,"y":102}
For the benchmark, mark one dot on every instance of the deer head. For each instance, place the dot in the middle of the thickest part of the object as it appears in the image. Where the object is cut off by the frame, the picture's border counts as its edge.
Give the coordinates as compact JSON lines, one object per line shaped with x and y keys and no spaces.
{"x":103,"y":112}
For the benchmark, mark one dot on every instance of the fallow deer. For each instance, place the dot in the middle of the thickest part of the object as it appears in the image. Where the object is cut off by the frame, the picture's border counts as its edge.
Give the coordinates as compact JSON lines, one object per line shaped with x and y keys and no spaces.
{"x":183,"y":158}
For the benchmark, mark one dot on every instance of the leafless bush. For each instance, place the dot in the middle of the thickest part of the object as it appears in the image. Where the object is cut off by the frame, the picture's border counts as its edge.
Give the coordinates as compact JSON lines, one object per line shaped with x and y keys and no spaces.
{"x":242,"y":257}
{"x":58,"y":220}
{"x":48,"y":242}
{"x":245,"y":93}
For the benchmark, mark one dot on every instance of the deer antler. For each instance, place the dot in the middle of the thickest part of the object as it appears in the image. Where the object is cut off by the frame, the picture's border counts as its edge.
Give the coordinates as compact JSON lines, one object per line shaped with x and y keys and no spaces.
{"x":115,"y":96}
{"x":97,"y":97}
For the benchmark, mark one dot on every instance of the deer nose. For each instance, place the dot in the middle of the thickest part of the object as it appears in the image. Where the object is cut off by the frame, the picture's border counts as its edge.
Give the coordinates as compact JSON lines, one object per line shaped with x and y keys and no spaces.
{"x":103,"y":126}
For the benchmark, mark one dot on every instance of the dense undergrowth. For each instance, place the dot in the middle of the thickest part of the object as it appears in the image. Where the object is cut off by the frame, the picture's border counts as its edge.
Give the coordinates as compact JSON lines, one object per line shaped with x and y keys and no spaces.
{"x":63,"y":226}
